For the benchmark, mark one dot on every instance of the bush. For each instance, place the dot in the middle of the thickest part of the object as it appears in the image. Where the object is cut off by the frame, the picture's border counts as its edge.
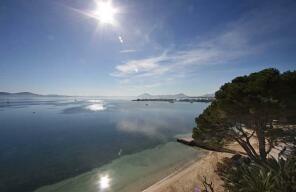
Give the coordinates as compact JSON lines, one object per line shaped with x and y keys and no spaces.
{"x":246,"y":176}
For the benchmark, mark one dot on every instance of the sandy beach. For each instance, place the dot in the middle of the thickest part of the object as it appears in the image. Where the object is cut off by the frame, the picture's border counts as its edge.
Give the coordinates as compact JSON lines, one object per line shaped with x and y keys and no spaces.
{"x":191,"y":176}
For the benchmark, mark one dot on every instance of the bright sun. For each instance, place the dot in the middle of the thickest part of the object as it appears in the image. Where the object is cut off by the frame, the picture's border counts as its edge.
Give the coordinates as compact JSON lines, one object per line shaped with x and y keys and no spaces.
{"x":105,"y":12}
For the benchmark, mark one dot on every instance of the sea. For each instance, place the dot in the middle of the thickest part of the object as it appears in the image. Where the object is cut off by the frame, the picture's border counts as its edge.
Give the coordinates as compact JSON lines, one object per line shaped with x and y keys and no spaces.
{"x":92,"y":144}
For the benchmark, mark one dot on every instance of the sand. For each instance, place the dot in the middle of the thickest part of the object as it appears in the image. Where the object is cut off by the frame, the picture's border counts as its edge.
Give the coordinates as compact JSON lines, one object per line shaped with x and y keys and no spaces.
{"x":191,"y":176}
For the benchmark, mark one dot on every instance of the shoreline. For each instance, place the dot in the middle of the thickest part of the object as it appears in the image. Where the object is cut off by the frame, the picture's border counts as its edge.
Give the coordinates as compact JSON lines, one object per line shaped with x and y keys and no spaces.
{"x":190,"y":176}
{"x":171,"y":175}
{"x":187,"y":178}
{"x":136,"y":176}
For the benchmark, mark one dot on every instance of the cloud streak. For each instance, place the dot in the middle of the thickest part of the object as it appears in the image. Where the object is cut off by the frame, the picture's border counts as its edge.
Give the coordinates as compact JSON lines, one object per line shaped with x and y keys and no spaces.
{"x":237,"y":40}
{"x":128,"y":51}
{"x":176,"y":62}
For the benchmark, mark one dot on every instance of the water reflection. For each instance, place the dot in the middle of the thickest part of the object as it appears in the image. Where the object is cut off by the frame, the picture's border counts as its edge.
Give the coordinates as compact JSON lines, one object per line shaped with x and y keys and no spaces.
{"x":85,"y":134}
{"x":153,"y":124}
{"x":93,"y":105}
{"x":104,"y":182}
{"x":95,"y":101}
{"x":96,"y":107}
{"x":148,"y":127}
{"x":130,"y":173}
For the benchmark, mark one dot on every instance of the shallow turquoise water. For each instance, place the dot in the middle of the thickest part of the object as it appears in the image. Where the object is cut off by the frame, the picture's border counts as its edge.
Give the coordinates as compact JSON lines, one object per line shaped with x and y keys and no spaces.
{"x":131,"y":173}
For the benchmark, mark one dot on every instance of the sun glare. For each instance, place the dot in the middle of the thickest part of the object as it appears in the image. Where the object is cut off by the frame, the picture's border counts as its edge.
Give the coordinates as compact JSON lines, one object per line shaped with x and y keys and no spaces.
{"x":104,"y":182}
{"x":105,"y":12}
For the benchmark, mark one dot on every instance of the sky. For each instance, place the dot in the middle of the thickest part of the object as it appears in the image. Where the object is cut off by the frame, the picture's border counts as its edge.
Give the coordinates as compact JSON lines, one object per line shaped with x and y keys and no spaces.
{"x":156,"y":46}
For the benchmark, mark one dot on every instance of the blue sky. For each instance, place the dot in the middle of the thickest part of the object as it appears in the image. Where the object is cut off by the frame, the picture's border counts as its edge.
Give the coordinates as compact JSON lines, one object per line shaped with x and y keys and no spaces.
{"x":156,"y":46}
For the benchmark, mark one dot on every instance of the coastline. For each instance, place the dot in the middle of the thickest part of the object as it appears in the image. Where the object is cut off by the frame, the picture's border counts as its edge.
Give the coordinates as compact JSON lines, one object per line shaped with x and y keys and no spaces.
{"x":190,"y":176}
{"x":147,"y":176}
{"x":133,"y":177}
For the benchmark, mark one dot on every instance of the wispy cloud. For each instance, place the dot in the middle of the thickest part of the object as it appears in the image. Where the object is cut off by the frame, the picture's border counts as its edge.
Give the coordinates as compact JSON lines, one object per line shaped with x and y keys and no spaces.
{"x":215,"y":51}
{"x":243,"y":37}
{"x":128,"y":51}
{"x":142,"y":67}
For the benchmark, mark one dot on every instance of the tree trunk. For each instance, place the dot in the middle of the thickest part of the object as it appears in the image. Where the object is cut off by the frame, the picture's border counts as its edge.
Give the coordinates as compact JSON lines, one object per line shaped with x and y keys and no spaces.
{"x":261,"y":141}
{"x":210,"y":148}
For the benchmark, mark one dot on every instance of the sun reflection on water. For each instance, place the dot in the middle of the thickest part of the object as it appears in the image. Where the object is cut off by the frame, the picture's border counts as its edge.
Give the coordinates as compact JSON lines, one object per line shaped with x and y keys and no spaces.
{"x":95,"y":101}
{"x":104,"y":182}
{"x":96,"y":107}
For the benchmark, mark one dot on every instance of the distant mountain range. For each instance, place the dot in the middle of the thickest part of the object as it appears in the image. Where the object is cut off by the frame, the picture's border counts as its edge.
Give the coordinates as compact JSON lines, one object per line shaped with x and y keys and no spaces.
{"x":27,"y":94}
{"x":208,"y":95}
{"x":149,"y":96}
{"x":142,"y":96}
{"x":177,"y":96}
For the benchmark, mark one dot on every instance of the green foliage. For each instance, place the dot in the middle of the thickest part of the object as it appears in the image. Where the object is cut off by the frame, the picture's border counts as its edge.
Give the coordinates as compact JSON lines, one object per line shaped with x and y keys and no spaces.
{"x":287,"y":93}
{"x":209,"y":121}
{"x":271,"y":176}
{"x":248,"y":105}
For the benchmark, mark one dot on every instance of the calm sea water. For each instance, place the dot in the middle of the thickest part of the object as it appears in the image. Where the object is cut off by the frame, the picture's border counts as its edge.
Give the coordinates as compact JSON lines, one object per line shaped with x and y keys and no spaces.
{"x":46,"y":140}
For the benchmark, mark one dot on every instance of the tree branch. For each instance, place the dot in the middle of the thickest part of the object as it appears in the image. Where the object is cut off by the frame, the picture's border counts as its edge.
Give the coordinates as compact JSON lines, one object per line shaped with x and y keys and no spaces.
{"x":194,"y":143}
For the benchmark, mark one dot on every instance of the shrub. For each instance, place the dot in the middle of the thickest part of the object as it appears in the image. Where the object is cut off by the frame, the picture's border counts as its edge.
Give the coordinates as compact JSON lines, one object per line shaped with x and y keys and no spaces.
{"x":271,"y":176}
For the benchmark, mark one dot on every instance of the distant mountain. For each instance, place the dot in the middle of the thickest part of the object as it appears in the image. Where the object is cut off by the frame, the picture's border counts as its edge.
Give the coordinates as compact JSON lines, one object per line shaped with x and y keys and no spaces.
{"x":177,"y":96}
{"x":145,"y":96}
{"x":4,"y":93}
{"x":27,"y":94}
{"x":149,"y":96}
{"x":208,"y":95}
